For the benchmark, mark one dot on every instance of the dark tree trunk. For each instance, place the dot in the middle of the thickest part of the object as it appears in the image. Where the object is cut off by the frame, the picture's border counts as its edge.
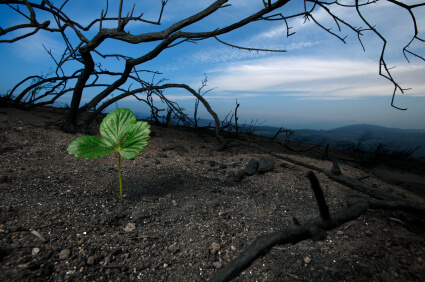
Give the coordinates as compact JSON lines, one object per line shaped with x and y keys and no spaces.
{"x":70,"y":124}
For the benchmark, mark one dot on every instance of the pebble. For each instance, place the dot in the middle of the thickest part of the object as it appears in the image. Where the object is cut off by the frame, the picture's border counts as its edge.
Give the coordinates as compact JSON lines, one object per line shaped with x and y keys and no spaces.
{"x":90,"y":260}
{"x":251,"y":167}
{"x":35,"y":251}
{"x":174,"y":203}
{"x":265,"y":165}
{"x":130,"y":227}
{"x":215,"y":247}
{"x":65,"y":254}
{"x":217,"y":265}
{"x":307,"y":259}
{"x":161,"y":155}
{"x":39,"y":235}
{"x":173,"y":248}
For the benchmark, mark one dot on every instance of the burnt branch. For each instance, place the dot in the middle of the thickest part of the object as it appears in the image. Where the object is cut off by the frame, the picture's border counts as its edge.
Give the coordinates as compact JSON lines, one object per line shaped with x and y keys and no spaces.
{"x":249,"y":49}
{"x":318,"y":193}
{"x":314,"y":229}
{"x":384,"y":70}
{"x":82,"y":45}
{"x":157,"y":88}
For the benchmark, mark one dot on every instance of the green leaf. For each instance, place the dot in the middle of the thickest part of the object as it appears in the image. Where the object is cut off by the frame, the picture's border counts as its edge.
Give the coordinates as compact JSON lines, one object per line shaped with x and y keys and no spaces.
{"x":135,"y":140}
{"x":116,"y":124}
{"x":90,"y":147}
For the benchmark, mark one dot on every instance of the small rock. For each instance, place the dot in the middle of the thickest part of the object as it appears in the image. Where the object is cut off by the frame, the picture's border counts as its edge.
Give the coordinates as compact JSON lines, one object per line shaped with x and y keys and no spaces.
{"x":395,"y":274}
{"x":167,"y":148}
{"x":222,"y":213}
{"x":130,"y":227}
{"x":284,"y":165}
{"x":173,"y":248}
{"x":174,"y":203}
{"x":35,"y":251}
{"x":39,"y":235}
{"x":238,"y":176}
{"x":65,"y":254}
{"x":215,"y":247}
{"x":108,"y":259}
{"x":217,"y":265}
{"x":161,"y":155}
{"x":307,"y":259}
{"x":90,"y":260}
{"x":265,"y":165}
{"x":340,"y":232}
{"x":212,"y":163}
{"x":181,"y":153}
{"x":251,"y":167}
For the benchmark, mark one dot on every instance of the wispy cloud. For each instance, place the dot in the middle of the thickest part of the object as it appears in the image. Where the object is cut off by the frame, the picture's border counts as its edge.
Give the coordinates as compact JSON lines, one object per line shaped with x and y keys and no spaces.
{"x":31,"y":48}
{"x":312,"y":78}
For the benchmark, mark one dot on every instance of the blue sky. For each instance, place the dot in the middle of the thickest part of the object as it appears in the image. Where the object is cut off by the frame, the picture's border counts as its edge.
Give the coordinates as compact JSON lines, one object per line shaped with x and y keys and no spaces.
{"x":319,"y":83}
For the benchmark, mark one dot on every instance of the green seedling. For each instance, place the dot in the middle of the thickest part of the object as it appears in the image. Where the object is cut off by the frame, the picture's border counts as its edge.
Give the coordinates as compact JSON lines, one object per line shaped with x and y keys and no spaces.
{"x":121,"y":133}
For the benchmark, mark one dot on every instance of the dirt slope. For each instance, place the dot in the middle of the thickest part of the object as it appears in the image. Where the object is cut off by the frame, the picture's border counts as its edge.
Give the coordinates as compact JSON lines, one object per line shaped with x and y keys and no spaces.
{"x":188,"y":210}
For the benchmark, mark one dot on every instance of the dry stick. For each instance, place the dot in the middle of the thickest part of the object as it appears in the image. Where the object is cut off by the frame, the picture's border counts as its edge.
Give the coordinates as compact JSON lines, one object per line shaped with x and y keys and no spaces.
{"x":314,"y":229}
{"x":390,"y":205}
{"x":318,"y":193}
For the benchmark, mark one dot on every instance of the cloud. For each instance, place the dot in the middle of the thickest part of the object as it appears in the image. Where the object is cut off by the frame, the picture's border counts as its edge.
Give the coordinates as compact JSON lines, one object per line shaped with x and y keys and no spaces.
{"x":31,"y":49}
{"x":312,"y":78}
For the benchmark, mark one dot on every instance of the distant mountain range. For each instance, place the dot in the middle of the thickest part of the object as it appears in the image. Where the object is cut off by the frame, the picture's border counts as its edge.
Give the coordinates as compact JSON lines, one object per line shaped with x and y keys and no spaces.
{"x":365,"y":137}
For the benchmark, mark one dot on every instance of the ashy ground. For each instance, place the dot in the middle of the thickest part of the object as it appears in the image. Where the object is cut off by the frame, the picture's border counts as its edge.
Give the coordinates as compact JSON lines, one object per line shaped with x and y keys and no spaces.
{"x":189,"y":209}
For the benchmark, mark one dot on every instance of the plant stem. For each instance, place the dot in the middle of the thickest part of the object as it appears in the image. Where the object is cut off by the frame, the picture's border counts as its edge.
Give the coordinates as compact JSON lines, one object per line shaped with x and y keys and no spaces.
{"x":119,"y":174}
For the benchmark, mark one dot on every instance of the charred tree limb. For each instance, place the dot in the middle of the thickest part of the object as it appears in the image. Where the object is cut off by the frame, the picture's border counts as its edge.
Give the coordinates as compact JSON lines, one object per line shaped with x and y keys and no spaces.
{"x":318,"y":193}
{"x":175,"y":34}
{"x":160,"y":87}
{"x":314,"y":229}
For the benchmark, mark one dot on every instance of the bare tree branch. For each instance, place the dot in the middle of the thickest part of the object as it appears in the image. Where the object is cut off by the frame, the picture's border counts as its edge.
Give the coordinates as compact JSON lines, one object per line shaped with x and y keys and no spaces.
{"x":383,"y":68}
{"x":314,"y":229}
{"x":83,"y":44}
{"x":249,"y":49}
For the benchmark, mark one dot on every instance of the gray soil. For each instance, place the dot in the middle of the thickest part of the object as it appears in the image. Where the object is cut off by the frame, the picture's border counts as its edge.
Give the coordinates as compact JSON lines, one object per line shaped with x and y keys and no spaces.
{"x":189,"y":209}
